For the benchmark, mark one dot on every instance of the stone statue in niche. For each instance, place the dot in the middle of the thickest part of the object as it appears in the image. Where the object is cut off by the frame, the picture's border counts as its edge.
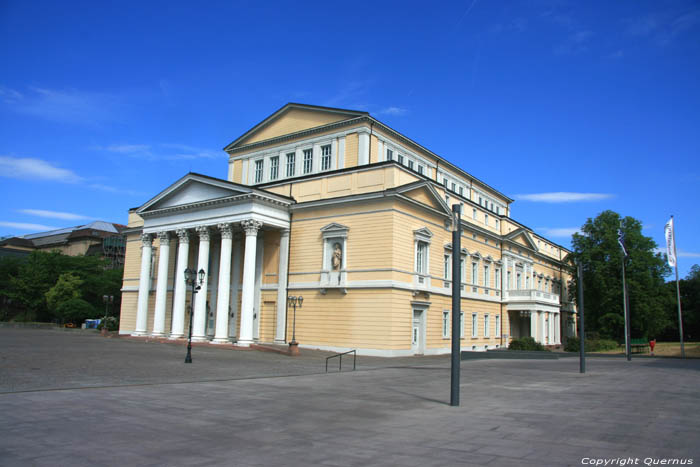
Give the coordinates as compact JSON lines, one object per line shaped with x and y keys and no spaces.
{"x":337,"y":259}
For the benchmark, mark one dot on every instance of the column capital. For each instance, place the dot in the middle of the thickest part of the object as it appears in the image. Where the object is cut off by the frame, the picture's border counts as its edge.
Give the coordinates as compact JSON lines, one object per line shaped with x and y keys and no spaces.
{"x":183,"y":235}
{"x":251,"y":226}
{"x":284,"y":232}
{"x":203,"y":232}
{"x":147,"y":239}
{"x":226,"y":231}
{"x":164,"y":238}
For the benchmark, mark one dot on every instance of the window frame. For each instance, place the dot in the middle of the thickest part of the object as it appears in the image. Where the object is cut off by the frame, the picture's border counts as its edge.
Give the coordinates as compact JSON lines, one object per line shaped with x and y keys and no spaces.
{"x":291,"y":159}
{"x":274,"y":167}
{"x":326,"y":158}
{"x":308,"y":158}
{"x":259,"y":171}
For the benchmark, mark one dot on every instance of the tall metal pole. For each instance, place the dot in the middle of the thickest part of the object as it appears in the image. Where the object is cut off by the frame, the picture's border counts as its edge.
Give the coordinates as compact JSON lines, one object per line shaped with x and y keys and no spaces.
{"x":456,"y":305}
{"x":582,"y":335}
{"x":188,"y":357}
{"x":625,"y":304}
{"x":678,"y":289}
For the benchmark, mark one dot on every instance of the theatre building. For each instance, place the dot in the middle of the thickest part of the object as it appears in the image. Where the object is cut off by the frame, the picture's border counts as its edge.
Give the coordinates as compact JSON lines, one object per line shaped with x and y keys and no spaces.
{"x":335,"y":206}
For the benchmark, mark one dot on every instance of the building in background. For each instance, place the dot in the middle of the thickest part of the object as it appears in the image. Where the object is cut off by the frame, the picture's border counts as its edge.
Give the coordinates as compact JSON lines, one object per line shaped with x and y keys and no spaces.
{"x":98,"y":238}
{"x":335,"y":206}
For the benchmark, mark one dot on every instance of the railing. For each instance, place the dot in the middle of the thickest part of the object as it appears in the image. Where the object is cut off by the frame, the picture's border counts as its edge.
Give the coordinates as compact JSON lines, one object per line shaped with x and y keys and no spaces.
{"x":533,"y":294}
{"x":340,"y":359}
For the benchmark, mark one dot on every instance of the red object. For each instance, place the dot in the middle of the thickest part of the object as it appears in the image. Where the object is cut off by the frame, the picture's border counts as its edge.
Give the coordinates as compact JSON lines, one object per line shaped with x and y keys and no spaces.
{"x":652,"y":344}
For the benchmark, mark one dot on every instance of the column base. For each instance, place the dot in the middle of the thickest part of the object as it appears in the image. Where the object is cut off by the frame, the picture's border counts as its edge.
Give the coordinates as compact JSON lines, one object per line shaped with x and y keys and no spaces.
{"x":221,"y":340}
{"x":280,"y":341}
{"x":244,"y":343}
{"x":158,"y":334}
{"x":200,"y":339}
{"x":173,"y":337}
{"x":139,"y":334}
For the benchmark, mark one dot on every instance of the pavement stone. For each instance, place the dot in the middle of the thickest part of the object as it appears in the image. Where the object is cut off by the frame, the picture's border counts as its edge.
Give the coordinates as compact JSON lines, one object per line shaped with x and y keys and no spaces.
{"x":100,"y":401}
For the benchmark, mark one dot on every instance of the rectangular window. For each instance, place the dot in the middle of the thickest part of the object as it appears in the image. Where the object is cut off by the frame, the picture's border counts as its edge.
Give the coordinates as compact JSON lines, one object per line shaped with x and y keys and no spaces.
{"x":475,"y":277}
{"x":475,"y":325}
{"x":481,"y":202}
{"x":326,"y":157}
{"x":447,"y":267}
{"x":308,"y":160}
{"x":291,"y":161}
{"x":498,"y":210}
{"x":389,"y":154}
{"x":487,"y":282}
{"x":497,"y":223}
{"x":509,"y":284}
{"x":498,"y":326}
{"x":445,"y":324}
{"x":259,"y":170}
{"x":486,"y":325}
{"x":518,"y":281}
{"x":486,"y":219}
{"x":454,"y":187}
{"x":461,"y":191}
{"x":420,"y":169}
{"x":474,"y":214}
{"x":444,"y":181}
{"x":400,"y":159}
{"x":410,"y":164}
{"x":274,"y":167}
{"x":421,"y":257}
{"x":497,"y":281}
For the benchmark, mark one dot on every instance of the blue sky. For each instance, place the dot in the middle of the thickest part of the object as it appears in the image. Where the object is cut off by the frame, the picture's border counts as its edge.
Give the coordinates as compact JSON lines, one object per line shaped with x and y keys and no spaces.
{"x":571,"y":108}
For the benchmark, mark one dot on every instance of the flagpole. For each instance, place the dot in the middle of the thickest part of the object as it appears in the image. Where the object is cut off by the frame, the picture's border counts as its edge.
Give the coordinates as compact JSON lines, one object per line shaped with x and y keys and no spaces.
{"x":624,"y":296}
{"x":678,"y":288}
{"x":627,"y":312}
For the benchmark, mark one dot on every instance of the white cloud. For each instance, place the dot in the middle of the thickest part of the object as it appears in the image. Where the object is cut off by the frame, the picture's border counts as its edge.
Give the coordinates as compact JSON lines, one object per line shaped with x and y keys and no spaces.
{"x":25,"y":226}
{"x":67,"y":106}
{"x":111,"y":189}
{"x":563,"y":197}
{"x":53,"y":214}
{"x":687,"y":254}
{"x":559,"y":232}
{"x":35,"y":169}
{"x":162,"y":151}
{"x":398,"y":111}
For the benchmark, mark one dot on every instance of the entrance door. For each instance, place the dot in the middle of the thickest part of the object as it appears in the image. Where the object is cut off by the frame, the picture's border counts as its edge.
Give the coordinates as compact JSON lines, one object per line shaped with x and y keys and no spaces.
{"x":417,"y":333}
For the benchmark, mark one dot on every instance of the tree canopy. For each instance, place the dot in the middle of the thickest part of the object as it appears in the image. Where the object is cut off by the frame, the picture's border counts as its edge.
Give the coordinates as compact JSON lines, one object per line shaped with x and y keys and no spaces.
{"x":43,"y":281}
{"x":600,"y":254}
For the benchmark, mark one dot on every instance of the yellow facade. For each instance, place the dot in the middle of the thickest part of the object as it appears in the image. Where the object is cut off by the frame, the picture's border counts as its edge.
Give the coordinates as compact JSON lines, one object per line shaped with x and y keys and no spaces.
{"x":391,"y":221}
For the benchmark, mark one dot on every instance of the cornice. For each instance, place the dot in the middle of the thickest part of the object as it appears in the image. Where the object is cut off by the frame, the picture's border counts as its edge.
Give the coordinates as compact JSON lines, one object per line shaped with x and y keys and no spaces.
{"x":228,"y":200}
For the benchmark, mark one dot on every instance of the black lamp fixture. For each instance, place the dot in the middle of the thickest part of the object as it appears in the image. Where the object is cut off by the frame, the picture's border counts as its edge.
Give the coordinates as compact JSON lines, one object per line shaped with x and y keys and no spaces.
{"x":294,"y":302}
{"x":192,"y":279}
{"x":108,"y":300}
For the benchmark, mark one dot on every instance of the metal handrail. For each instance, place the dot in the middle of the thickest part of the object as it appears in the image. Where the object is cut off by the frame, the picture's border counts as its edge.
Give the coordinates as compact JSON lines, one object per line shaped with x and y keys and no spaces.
{"x":340,"y":359}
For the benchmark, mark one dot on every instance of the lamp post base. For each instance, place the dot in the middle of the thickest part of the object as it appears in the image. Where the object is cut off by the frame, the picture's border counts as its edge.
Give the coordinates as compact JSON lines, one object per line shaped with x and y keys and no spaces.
{"x":294,"y":349}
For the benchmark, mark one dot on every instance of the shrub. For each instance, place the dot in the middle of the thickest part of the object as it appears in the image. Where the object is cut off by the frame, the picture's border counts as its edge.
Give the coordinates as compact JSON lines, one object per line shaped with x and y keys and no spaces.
{"x":75,"y":310}
{"x":112,"y":324}
{"x":525,"y":343}
{"x":573,"y":344}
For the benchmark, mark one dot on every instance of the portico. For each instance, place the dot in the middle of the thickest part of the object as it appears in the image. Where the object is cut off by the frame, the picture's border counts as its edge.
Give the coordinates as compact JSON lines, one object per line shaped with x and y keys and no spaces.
{"x":225,"y":222}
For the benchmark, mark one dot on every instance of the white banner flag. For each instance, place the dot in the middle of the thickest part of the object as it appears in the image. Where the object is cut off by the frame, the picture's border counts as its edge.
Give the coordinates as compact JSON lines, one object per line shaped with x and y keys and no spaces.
{"x":670,"y":243}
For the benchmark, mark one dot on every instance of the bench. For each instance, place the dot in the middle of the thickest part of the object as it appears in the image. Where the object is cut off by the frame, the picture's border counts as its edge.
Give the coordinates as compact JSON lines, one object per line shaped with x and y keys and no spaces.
{"x":638,"y":345}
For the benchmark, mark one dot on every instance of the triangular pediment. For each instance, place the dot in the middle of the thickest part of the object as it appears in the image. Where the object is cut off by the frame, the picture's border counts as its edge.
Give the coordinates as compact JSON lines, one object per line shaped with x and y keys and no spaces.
{"x":522,"y":237}
{"x":334,"y":227}
{"x":191,"y":189}
{"x":424,"y":193}
{"x":293,"y":118}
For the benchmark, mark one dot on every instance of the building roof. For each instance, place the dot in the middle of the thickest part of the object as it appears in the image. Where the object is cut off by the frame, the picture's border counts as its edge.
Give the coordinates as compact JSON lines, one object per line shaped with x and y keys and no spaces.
{"x":53,"y":237}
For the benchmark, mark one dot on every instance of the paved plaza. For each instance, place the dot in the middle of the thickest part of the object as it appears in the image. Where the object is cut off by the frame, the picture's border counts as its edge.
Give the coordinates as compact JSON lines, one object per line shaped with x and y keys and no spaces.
{"x":76,"y":398}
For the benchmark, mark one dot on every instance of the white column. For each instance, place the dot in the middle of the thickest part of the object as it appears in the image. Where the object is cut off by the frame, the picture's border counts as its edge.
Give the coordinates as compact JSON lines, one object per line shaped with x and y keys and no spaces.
{"x":162,"y":284}
{"x":363,"y":149}
{"x":533,"y":325}
{"x":251,"y":227}
{"x":235,"y":283}
{"x":224,"y":287}
{"x":282,"y":286}
{"x":558,"y":328}
{"x":177,"y":329}
{"x":144,"y":285}
{"x":200,"y":305}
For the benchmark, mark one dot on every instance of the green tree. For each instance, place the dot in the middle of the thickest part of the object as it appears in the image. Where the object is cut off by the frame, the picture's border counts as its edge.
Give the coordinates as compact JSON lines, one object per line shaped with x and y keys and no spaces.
{"x":67,"y":287}
{"x":690,"y":306}
{"x":598,"y":250}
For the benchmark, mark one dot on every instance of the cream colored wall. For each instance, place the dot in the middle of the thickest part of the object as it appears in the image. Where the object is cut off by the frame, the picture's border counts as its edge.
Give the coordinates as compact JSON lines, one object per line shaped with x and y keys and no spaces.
{"x":134,"y":220}
{"x":292,"y":121}
{"x":236,"y":176}
{"x":351,"y":150}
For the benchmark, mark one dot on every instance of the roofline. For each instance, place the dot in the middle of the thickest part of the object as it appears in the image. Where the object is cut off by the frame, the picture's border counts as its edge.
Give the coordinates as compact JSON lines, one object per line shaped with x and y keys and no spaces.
{"x":269,"y":119}
{"x":362,"y":117}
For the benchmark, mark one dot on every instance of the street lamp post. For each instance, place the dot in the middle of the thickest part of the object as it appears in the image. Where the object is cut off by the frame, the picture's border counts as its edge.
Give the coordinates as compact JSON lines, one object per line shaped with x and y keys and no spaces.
{"x":109,"y":300}
{"x":294,"y":345}
{"x":192,"y":281}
